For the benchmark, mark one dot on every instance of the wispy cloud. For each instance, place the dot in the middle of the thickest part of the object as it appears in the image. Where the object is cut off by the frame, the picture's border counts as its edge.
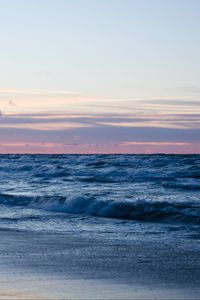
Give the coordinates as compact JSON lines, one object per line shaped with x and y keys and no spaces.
{"x":59,"y":101}
{"x":95,"y":133}
{"x":62,"y":121}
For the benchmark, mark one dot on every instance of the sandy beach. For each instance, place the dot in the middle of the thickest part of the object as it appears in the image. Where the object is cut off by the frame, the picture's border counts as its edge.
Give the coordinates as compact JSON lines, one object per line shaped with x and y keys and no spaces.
{"x":49,"y":266}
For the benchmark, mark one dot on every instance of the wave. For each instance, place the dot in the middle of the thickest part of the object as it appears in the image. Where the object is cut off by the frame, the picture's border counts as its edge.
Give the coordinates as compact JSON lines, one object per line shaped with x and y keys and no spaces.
{"x":190,"y":186}
{"x":142,"y":210}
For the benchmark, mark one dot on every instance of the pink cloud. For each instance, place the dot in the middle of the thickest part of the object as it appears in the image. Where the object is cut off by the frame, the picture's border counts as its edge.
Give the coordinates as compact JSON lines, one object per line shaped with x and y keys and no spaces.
{"x":126,"y":147}
{"x":100,"y":133}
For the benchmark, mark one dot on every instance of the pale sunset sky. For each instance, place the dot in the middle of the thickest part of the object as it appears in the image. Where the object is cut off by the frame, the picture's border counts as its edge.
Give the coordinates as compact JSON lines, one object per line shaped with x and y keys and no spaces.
{"x":100,"y":76}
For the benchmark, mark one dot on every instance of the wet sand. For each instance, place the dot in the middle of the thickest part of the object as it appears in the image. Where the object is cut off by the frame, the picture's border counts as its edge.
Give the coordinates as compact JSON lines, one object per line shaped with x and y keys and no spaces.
{"x":63,"y":266}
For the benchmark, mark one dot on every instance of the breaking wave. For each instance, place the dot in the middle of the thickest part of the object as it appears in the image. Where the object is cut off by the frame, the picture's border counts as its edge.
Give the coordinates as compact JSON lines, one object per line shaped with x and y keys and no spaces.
{"x":153,"y":188}
{"x":143,"y":210}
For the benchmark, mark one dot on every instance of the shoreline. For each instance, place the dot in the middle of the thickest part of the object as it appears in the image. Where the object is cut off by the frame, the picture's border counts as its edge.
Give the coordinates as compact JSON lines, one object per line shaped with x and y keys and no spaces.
{"x":63,"y":266}
{"x":41,"y":287}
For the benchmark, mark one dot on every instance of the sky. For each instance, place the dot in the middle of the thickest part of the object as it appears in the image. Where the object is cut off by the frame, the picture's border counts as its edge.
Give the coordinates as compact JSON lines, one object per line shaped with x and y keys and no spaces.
{"x":99,"y":76}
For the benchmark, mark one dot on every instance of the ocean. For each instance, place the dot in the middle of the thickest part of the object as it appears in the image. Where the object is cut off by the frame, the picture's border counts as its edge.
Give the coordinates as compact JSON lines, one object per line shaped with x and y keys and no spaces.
{"x":128,"y":219}
{"x":57,"y":192}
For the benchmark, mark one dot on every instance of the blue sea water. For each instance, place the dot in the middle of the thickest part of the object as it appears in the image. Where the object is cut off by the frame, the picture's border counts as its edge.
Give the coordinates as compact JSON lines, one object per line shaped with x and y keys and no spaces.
{"x":120,"y":196}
